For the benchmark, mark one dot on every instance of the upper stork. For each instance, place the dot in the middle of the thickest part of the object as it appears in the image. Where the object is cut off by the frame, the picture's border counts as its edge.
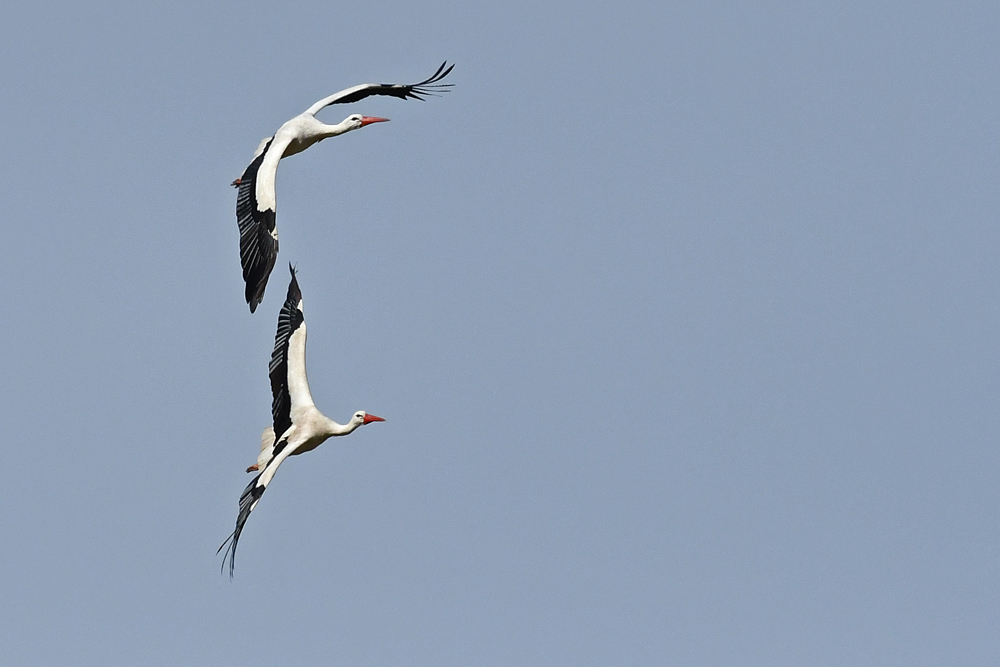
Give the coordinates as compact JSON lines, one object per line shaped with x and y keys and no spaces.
{"x":299,"y":425}
{"x":255,"y":202}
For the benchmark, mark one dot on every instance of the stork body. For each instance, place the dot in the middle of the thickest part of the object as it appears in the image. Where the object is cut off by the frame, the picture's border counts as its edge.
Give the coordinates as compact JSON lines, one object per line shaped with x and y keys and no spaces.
{"x":302,"y":427}
{"x":256,"y":202}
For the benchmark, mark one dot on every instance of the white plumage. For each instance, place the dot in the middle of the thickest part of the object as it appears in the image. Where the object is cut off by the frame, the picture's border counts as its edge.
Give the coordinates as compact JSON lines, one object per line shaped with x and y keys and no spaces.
{"x":301,"y":427}
{"x":256,"y":201}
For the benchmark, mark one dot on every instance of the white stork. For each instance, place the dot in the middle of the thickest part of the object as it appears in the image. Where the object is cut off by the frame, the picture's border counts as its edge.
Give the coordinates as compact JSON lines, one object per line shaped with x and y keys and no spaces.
{"x":255,"y":202}
{"x":301,"y":426}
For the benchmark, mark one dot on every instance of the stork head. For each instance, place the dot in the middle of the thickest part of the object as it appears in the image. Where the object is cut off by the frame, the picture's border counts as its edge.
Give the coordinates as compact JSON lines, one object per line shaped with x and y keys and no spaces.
{"x":354,"y":121}
{"x":361,"y":418}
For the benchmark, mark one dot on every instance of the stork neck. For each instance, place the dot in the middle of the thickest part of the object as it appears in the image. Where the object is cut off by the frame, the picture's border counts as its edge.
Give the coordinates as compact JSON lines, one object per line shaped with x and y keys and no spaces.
{"x":306,"y":130}
{"x":333,"y":428}
{"x":333,"y":130}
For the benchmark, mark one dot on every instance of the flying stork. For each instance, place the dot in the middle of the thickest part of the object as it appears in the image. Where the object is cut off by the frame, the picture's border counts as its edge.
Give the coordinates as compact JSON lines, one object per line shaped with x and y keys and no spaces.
{"x":255,"y":201}
{"x":299,"y":425}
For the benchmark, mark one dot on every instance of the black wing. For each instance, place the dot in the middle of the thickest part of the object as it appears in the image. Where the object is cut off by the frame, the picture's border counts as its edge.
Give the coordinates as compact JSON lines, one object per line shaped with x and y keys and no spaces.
{"x":258,"y":243}
{"x":289,"y":319}
{"x":248,"y":500}
{"x":415,"y":91}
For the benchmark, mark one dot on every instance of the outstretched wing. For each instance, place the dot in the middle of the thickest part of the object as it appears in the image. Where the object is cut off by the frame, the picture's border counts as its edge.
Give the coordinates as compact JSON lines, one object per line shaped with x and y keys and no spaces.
{"x":248,"y":500}
{"x":416,"y":91}
{"x":289,"y":387}
{"x":258,"y":234}
{"x":255,"y":212}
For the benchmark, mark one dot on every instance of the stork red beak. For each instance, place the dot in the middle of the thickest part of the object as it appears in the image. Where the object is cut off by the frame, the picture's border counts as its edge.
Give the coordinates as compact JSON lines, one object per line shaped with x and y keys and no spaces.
{"x":368,"y":120}
{"x":237,"y":182}
{"x":372,"y":418}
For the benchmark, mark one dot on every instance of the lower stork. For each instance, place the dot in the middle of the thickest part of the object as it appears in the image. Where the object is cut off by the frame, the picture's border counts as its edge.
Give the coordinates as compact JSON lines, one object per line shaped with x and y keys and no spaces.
{"x":299,"y":425}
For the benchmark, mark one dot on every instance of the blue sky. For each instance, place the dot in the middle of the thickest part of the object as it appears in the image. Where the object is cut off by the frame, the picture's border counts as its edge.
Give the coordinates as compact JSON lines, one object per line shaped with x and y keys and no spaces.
{"x":682,"y":317}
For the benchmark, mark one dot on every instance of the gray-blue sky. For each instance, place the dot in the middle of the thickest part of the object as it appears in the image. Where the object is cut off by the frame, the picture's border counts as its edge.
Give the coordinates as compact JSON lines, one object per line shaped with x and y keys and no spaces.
{"x":683,"y":318}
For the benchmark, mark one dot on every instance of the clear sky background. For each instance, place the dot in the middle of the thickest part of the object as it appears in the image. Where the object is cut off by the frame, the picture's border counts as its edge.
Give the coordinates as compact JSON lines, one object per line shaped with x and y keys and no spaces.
{"x":683,"y":317}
